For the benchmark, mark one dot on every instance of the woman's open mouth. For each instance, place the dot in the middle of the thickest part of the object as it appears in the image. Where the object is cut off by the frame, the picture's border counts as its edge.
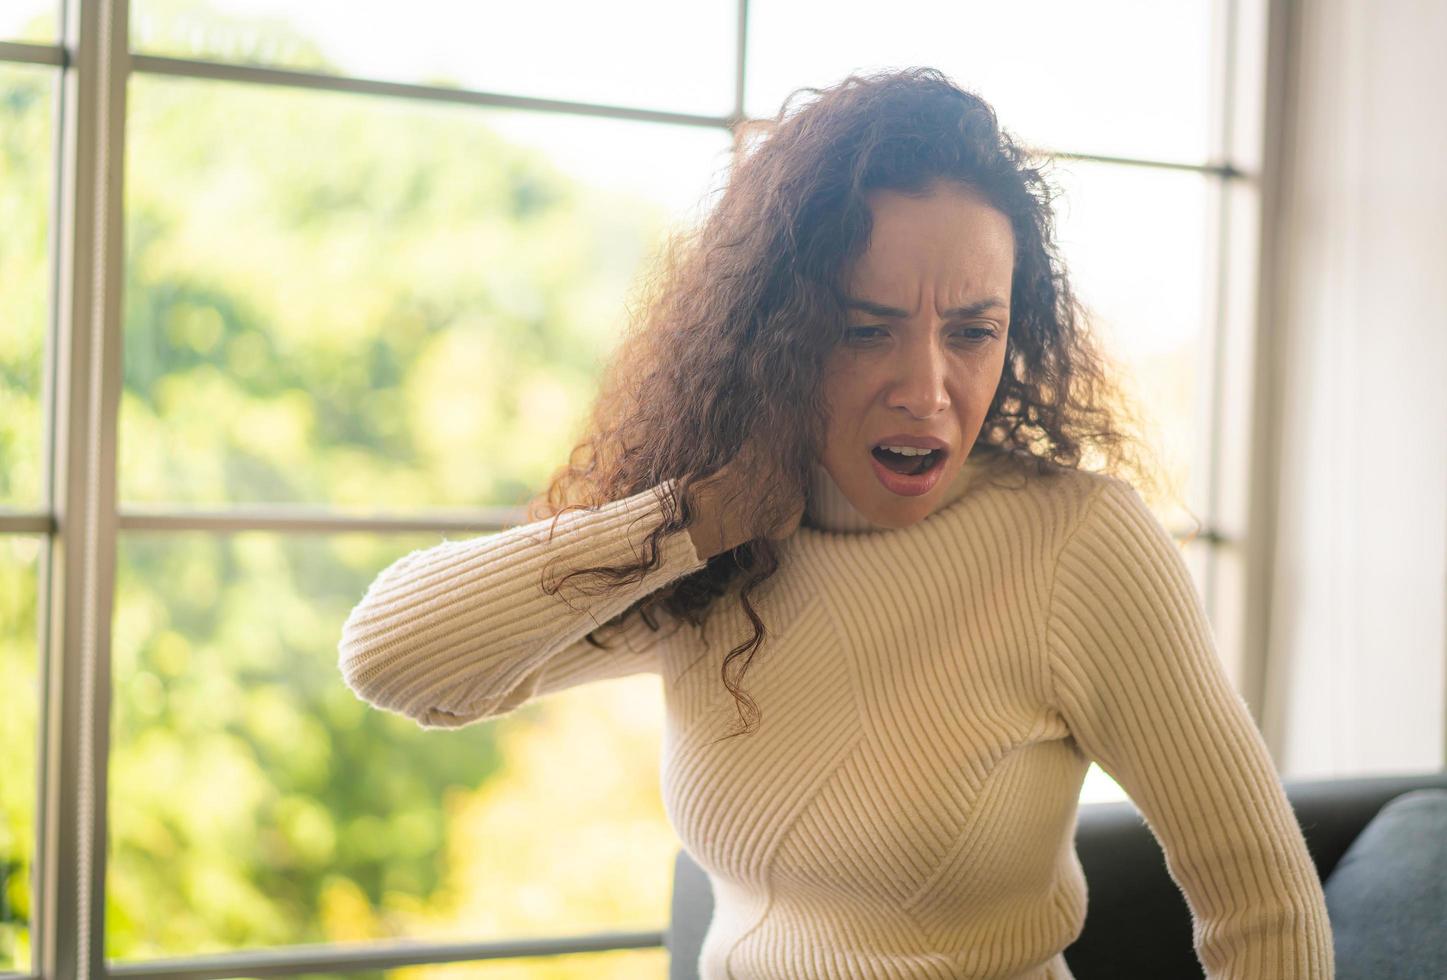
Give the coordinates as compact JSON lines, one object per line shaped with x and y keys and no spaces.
{"x":910,"y":473}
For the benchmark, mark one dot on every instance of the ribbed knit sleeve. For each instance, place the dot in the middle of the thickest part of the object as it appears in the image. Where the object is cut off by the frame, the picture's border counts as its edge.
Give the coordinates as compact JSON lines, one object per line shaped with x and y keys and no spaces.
{"x":1137,"y":678}
{"x":463,"y":630}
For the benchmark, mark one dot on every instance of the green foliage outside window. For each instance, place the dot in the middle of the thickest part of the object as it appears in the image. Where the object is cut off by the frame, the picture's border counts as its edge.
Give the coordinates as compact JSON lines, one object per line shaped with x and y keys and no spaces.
{"x":355,"y":303}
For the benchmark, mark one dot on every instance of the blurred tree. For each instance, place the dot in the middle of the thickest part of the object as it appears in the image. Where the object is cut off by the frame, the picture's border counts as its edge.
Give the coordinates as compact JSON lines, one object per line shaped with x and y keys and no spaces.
{"x":336,"y":300}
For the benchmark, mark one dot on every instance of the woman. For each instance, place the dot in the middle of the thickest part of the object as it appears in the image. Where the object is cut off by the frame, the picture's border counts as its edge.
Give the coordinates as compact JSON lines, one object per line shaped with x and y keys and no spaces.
{"x":850,"y":422}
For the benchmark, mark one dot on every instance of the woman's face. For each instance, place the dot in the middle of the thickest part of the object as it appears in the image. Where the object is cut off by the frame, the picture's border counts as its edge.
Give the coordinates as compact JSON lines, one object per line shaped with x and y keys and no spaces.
{"x":923,"y":348}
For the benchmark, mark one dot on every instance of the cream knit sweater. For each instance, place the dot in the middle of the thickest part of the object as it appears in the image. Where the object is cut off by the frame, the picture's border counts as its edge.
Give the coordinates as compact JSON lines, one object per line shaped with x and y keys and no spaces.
{"x":931,"y":698}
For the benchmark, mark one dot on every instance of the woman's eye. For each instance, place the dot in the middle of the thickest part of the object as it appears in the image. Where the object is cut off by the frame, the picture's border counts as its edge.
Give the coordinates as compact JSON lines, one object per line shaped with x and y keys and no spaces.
{"x":862,"y":335}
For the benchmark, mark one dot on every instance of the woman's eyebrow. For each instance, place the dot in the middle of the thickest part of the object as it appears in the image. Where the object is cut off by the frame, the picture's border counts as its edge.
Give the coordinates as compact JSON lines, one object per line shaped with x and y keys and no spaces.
{"x":971,"y":309}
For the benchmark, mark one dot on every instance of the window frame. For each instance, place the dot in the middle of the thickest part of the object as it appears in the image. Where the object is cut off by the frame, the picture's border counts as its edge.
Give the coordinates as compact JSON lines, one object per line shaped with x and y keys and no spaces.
{"x":81,"y":521}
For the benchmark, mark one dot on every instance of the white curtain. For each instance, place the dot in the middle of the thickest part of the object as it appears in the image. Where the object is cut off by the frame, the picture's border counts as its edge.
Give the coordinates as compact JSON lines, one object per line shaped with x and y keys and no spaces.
{"x":1356,"y":679}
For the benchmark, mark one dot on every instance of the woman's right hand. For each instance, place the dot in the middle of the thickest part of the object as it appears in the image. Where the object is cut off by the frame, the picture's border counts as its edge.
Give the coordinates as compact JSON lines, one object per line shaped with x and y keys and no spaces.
{"x":720,"y":501}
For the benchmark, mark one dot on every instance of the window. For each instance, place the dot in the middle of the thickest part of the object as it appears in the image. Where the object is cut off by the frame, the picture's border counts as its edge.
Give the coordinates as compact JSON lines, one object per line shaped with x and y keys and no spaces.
{"x":292,"y":289}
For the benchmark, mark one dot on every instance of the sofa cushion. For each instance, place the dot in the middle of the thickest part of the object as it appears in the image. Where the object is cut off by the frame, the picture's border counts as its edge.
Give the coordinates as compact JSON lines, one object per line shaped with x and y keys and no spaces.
{"x":1387,"y":897}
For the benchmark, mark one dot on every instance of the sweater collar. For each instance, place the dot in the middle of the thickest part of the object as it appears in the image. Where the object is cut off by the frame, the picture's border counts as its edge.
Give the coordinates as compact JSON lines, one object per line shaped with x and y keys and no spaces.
{"x":828,"y":509}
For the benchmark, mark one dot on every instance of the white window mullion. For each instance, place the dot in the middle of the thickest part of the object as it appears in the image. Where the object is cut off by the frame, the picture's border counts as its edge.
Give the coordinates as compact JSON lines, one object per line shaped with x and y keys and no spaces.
{"x":81,"y":566}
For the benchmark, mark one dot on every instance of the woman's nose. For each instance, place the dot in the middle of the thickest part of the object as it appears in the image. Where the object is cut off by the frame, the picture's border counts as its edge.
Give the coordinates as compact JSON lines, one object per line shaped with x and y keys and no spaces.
{"x":919,"y":383}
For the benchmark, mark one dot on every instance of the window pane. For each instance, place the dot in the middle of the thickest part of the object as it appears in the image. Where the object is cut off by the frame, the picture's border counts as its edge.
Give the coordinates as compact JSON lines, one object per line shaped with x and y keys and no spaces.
{"x":19,"y":718}
{"x":1136,"y":242}
{"x":255,"y":801}
{"x":1100,"y":787}
{"x":652,"y":54}
{"x":1123,"y":77}
{"x":29,"y":20}
{"x":26,"y":184}
{"x":374,"y":303}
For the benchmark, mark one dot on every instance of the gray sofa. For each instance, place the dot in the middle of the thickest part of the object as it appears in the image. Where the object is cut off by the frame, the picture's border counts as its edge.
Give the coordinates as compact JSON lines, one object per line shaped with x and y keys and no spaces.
{"x":1137,"y":923}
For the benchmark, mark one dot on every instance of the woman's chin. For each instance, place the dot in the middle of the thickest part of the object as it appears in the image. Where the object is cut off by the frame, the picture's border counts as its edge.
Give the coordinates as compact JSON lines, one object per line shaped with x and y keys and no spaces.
{"x":891,"y":510}
{"x":884,"y":507}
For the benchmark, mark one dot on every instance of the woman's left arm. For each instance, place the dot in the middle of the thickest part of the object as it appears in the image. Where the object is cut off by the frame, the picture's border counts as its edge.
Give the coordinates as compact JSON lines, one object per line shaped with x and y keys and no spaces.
{"x":1137,"y":678}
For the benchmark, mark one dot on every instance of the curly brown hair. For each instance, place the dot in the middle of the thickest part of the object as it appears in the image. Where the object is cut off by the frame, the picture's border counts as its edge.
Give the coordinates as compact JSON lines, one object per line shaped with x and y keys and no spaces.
{"x":737,"y":314}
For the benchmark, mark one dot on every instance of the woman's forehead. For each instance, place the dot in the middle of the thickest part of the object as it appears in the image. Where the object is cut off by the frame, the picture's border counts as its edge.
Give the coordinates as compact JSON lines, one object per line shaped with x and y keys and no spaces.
{"x":950,"y":243}
{"x":909,"y":280}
